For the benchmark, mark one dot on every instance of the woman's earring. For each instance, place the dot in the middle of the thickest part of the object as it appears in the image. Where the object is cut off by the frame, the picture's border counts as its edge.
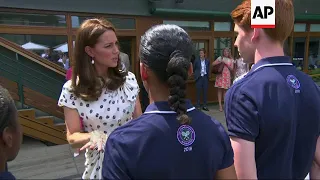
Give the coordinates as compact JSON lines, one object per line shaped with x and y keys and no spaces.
{"x":92,"y":61}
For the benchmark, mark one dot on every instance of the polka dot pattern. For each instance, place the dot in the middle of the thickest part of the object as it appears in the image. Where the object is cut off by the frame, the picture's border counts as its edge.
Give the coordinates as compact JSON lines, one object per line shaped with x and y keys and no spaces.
{"x":111,"y":110}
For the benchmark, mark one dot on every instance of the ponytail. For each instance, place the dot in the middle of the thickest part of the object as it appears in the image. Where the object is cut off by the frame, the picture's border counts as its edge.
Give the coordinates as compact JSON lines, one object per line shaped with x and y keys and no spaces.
{"x":177,"y":70}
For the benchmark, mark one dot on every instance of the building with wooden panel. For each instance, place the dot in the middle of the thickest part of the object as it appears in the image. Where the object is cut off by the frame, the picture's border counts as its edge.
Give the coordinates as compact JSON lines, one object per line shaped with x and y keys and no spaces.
{"x":53,"y":24}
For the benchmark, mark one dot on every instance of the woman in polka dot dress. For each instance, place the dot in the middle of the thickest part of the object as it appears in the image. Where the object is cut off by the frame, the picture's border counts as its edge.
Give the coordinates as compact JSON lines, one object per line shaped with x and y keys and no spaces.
{"x":100,"y":93}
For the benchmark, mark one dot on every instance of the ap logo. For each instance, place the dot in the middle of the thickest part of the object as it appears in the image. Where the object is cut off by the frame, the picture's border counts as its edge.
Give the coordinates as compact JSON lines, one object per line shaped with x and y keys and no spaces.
{"x":263,"y":14}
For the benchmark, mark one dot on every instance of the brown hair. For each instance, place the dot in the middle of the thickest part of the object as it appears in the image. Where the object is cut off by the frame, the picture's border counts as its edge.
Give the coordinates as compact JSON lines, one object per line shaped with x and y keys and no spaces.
{"x":203,"y":50}
{"x":230,"y":54}
{"x":8,"y":111}
{"x":284,"y":15}
{"x":86,"y":84}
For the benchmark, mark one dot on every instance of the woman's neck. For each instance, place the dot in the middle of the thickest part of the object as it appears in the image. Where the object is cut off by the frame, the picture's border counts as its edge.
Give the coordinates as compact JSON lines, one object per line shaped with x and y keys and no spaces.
{"x":101,"y":70}
{"x":158,"y":94}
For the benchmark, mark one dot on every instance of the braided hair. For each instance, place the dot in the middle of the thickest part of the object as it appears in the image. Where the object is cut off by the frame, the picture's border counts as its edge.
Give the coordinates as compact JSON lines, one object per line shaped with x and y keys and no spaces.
{"x":8,"y":111}
{"x":167,"y":51}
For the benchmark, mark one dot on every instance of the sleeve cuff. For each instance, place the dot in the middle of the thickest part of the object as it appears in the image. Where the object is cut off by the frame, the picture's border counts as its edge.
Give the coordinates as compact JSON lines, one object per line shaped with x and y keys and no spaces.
{"x":226,"y":165}
{"x":242,"y":136}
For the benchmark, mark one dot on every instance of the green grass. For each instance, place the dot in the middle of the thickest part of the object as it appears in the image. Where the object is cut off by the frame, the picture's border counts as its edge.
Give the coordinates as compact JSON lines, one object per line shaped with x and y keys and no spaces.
{"x":316,"y":71}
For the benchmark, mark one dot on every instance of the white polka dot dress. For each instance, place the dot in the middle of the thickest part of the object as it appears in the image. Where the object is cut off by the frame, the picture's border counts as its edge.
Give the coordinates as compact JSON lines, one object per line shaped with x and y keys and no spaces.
{"x":113,"y":109}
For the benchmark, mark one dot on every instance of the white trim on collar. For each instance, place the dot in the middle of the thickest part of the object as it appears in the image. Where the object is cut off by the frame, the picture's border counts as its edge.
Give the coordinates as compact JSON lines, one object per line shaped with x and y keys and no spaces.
{"x":275,"y":64}
{"x":166,"y":112}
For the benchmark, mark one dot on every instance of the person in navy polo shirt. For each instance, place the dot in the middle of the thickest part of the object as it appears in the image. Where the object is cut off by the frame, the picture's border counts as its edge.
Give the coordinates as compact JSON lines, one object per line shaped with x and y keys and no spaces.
{"x":272,"y":113}
{"x":10,"y":133}
{"x":172,"y":139}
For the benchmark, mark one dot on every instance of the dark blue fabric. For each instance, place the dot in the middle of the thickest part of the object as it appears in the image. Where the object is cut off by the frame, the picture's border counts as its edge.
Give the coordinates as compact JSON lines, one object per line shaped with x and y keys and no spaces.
{"x":147,"y":148}
{"x":197,"y":68}
{"x":202,"y":88}
{"x":284,"y":122}
{"x":201,"y":82}
{"x":7,"y":175}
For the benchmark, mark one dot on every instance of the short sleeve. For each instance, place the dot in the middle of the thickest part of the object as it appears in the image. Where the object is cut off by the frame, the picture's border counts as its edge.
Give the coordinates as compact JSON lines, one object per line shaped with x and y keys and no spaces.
{"x":67,"y":98}
{"x":131,"y":87}
{"x":228,"y":154}
{"x":69,"y":74}
{"x":242,"y":116}
{"x":113,"y":165}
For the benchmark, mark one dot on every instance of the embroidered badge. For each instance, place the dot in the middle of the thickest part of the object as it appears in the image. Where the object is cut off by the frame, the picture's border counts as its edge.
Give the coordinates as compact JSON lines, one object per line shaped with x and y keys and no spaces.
{"x":186,"y":135}
{"x":294,"y":83}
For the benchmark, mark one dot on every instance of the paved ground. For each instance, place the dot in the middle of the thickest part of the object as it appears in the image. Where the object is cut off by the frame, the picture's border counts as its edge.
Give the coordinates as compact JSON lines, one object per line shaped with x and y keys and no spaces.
{"x":214,"y":112}
{"x":38,"y":161}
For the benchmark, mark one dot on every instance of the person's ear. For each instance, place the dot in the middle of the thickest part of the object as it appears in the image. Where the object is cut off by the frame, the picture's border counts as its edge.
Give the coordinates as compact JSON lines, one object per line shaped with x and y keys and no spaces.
{"x":7,"y":137}
{"x":89,"y":51}
{"x":256,"y":34}
{"x":143,"y":72}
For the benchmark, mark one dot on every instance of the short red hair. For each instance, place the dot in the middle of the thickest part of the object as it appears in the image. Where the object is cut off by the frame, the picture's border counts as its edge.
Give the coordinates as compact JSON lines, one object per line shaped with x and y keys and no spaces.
{"x":284,"y":13}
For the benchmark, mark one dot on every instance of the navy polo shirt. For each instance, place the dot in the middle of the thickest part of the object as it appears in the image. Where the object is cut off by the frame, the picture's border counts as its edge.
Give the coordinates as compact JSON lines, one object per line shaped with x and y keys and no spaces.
{"x":7,"y":175}
{"x":277,"y":107}
{"x":156,"y":146}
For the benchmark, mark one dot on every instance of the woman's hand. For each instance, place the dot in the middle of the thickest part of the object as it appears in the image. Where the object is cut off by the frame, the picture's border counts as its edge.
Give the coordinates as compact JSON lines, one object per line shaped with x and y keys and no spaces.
{"x":216,"y":62}
{"x":230,"y":66}
{"x":97,"y":140}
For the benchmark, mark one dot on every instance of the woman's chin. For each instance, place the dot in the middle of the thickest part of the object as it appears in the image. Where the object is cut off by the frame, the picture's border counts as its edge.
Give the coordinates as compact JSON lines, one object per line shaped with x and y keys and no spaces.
{"x":114,"y":65}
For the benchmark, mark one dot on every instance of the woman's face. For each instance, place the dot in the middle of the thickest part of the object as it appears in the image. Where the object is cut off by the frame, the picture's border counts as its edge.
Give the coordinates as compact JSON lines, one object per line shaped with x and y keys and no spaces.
{"x":64,"y":57}
{"x":106,"y":51}
{"x":226,"y":52}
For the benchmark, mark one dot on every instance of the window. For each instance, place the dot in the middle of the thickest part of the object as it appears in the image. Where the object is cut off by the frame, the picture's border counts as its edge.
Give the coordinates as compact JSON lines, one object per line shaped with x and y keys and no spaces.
{"x":299,"y":44}
{"x":197,"y":45}
{"x":28,"y":19}
{"x":50,"y":47}
{"x":219,"y":44}
{"x":314,"y":27}
{"x":300,"y":27}
{"x":191,"y":25}
{"x":119,"y":23}
{"x":222,"y":26}
{"x":77,"y":20}
{"x":123,"y":23}
{"x":314,"y":55}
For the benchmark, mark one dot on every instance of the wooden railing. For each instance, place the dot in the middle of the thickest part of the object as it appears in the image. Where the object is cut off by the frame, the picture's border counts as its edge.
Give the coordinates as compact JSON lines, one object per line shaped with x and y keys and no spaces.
{"x":32,"y":56}
{"x":38,"y":129}
{"x":12,"y":87}
{"x":32,"y":98}
{"x":42,"y":102}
